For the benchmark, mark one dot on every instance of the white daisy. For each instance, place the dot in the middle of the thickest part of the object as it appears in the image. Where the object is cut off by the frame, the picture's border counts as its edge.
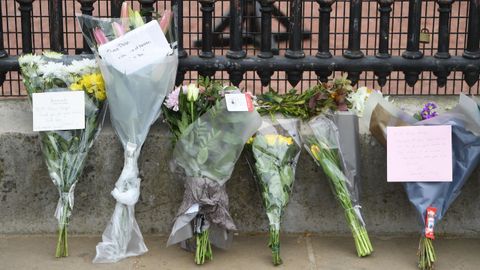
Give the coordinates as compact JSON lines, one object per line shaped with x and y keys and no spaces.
{"x":53,"y":70}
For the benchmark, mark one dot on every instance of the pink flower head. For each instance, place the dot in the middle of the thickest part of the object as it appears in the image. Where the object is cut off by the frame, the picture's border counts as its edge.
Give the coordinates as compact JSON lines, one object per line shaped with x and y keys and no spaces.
{"x":171,"y":101}
{"x":165,"y":20}
{"x":99,"y":36}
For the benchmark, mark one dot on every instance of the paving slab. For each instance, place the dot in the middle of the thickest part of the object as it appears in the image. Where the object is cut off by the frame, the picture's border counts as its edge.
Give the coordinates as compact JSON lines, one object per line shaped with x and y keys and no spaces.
{"x":249,"y":251}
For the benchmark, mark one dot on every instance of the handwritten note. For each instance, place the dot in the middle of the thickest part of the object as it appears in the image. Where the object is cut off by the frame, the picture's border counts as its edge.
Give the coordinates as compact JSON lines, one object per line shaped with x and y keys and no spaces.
{"x":419,"y":154}
{"x":136,"y":49}
{"x":58,"y":110}
{"x":239,"y":103}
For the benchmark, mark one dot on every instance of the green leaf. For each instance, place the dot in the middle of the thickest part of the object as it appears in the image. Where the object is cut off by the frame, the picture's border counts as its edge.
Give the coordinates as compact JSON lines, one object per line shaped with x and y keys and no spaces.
{"x":202,"y":156}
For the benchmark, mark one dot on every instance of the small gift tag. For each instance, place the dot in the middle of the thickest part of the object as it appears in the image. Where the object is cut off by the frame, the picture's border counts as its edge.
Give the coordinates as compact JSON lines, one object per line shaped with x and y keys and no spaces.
{"x":239,"y":102}
{"x":58,"y":110}
{"x":430,"y":222}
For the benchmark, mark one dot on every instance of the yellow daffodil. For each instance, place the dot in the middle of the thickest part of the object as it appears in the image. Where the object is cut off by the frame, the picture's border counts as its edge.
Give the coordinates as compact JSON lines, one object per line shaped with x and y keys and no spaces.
{"x":315,"y":151}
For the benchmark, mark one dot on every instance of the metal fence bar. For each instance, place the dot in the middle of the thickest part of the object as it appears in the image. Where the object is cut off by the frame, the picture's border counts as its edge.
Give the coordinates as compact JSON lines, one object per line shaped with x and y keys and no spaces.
{"x":207,"y":37}
{"x":236,"y":45}
{"x":266,"y":39}
{"x":473,"y":41}
{"x":295,"y":48}
{"x":115,"y":7}
{"x":354,"y":35}
{"x":147,"y":8}
{"x":26,"y":19}
{"x":413,"y":39}
{"x":56,"y":25}
{"x":385,"y":9}
{"x":86,"y":7}
{"x":443,"y":52}
{"x":178,"y":7}
{"x":324,"y":37}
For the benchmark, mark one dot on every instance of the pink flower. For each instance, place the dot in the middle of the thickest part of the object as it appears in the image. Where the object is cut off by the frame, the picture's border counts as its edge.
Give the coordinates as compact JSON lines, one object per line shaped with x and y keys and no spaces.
{"x":165,"y":20}
{"x":171,"y":101}
{"x":99,"y":36}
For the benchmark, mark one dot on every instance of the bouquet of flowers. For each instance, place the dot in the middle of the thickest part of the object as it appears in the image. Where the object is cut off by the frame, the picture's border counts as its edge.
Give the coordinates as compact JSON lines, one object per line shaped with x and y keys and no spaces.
{"x":65,"y":151}
{"x":432,"y":199}
{"x":274,"y":152}
{"x":185,"y":104}
{"x":323,"y":141}
{"x":139,"y":64}
{"x":207,"y":152}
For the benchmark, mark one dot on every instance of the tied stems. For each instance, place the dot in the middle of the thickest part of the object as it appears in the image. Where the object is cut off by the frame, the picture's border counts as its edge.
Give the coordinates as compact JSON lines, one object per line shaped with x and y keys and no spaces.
{"x":274,"y":244}
{"x":329,"y":161}
{"x":62,"y":243}
{"x":204,"y":248}
{"x":426,"y":253}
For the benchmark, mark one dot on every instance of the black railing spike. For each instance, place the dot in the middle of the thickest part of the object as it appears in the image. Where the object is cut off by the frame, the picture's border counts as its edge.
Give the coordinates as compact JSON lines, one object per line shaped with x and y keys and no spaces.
{"x":146,"y":8}
{"x":115,"y":7}
{"x":177,"y":6}
{"x":25,"y":8}
{"x":207,"y":9}
{"x":324,"y":28}
{"x":55,"y":11}
{"x":444,"y":8}
{"x":354,"y":32}
{"x":295,"y":48}
{"x":473,"y":39}
{"x":411,"y":77}
{"x":236,"y":44}
{"x":86,"y":7}
{"x":385,"y":9}
{"x":413,"y":36}
{"x":266,"y":8}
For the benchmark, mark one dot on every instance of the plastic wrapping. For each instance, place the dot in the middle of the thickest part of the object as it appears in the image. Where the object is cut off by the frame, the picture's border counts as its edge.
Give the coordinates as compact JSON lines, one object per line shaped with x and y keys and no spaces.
{"x":65,"y":151}
{"x":321,"y":138}
{"x":206,"y":153}
{"x":437,"y":196}
{"x":275,"y":150}
{"x":135,"y":104}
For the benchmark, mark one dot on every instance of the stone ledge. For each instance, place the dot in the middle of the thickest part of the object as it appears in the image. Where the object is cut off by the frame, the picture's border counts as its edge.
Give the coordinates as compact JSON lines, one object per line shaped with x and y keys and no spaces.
{"x":28,"y":197}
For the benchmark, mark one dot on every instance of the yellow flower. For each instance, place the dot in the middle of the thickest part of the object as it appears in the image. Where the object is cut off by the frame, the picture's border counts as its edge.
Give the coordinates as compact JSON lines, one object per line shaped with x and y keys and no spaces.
{"x":93,"y":84}
{"x":315,"y":151}
{"x":250,"y":141}
{"x":274,"y":138}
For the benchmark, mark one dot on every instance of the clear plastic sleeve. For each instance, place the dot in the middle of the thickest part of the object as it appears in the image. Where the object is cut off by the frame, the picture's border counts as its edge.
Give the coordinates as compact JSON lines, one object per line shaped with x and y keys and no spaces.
{"x":322,"y":139}
{"x":135,"y":100}
{"x":206,"y":153}
{"x":273,"y":157}
{"x":65,"y":151}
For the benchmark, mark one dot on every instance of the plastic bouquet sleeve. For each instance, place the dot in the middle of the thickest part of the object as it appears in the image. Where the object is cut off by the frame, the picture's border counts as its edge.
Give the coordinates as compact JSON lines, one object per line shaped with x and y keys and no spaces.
{"x":206,"y":153}
{"x":321,"y":138}
{"x":65,"y":151}
{"x":136,"y":90}
{"x":273,"y":157}
{"x":432,"y":199}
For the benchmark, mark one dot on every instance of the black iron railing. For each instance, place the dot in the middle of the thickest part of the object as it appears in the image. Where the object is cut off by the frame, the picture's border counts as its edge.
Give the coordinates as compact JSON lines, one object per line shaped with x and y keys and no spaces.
{"x":262,"y":53}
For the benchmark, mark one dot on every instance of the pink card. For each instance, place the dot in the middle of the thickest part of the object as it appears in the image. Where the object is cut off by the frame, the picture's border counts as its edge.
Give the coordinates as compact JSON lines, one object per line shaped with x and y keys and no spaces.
{"x":419,"y":154}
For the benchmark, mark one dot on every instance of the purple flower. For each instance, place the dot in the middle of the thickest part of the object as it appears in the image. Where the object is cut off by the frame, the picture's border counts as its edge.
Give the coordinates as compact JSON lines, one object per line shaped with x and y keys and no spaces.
{"x":428,"y":111}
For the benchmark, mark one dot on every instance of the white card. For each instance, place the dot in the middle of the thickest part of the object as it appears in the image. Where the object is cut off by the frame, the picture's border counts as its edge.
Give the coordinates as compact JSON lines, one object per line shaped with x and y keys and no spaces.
{"x":238,"y":103}
{"x":136,"y":49}
{"x":58,"y":110}
{"x":419,"y":154}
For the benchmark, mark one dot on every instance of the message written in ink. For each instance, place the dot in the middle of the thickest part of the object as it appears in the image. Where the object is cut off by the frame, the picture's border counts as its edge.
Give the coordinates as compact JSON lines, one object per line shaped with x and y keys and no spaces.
{"x":419,"y":154}
{"x":136,"y":49}
{"x":58,"y":110}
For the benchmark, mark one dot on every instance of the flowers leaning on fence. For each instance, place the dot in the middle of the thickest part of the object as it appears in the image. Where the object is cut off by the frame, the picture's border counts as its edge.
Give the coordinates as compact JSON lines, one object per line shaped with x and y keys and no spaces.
{"x":432,"y":199}
{"x":274,"y":152}
{"x":65,"y":151}
{"x":207,"y":152}
{"x":139,"y":63}
{"x":321,"y":139}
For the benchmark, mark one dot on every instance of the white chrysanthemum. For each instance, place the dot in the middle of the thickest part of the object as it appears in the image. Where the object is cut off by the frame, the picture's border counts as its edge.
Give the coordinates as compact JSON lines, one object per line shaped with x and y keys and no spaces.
{"x":358,"y":99}
{"x":81,"y":67}
{"x":52,"y":55}
{"x":53,"y":70}
{"x":30,"y":59}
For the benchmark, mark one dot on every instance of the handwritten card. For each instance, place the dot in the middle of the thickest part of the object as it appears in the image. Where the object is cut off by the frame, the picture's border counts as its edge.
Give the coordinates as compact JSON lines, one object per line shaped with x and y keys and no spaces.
{"x":419,"y":154}
{"x":239,"y":102}
{"x":136,"y":49}
{"x":58,"y":110}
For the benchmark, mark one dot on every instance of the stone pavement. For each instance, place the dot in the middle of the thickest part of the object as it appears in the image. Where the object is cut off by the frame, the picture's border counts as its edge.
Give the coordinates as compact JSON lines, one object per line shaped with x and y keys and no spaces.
{"x":299,"y":251}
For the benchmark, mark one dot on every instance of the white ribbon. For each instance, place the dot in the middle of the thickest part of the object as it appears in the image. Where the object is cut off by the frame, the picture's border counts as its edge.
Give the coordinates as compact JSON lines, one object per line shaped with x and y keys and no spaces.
{"x":65,"y":200}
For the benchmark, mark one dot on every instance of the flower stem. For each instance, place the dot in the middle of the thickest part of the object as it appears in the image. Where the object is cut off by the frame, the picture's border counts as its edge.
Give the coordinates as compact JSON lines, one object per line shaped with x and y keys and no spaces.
{"x":274,"y":244}
{"x":426,"y":254}
{"x":204,"y":248}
